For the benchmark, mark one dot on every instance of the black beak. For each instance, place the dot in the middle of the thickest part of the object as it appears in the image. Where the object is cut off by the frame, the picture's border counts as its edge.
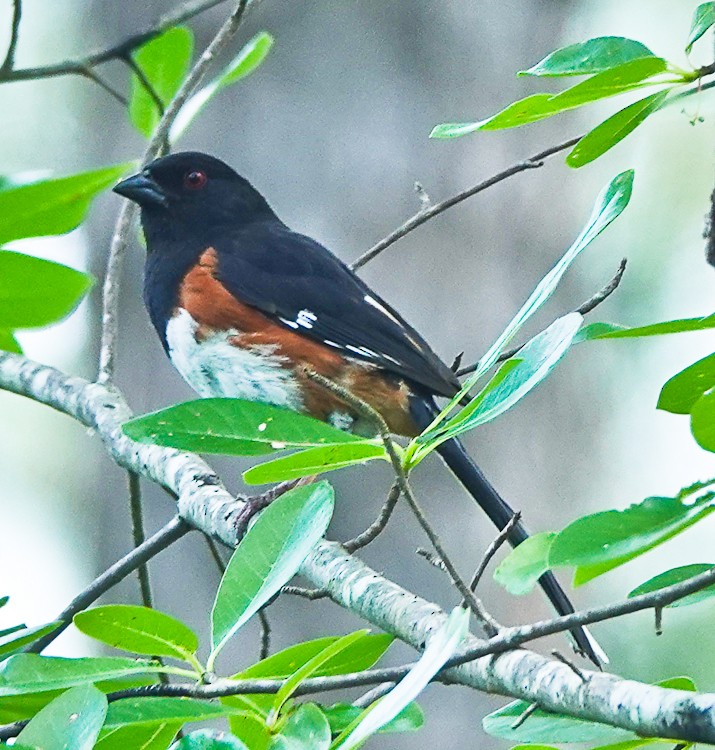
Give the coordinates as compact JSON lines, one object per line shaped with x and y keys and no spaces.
{"x":142,"y":189}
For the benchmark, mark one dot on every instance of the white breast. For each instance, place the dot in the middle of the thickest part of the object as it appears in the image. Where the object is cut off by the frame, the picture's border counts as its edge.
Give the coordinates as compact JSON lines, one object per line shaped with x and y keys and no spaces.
{"x":214,"y":367}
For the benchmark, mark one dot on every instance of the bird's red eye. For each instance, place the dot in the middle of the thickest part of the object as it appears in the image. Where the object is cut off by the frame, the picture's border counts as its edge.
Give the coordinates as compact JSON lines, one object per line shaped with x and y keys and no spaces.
{"x":195,"y":179}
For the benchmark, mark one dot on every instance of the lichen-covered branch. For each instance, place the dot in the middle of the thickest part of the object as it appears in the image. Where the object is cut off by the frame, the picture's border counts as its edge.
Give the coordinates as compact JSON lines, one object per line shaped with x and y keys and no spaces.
{"x":204,"y":503}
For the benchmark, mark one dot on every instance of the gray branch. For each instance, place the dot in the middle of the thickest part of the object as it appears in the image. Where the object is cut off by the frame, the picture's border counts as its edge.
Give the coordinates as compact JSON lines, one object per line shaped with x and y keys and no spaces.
{"x":204,"y":503}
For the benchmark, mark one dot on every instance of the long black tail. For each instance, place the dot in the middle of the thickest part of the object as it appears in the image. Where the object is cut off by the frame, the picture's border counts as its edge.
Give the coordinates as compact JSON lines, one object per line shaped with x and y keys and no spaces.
{"x":474,"y":481}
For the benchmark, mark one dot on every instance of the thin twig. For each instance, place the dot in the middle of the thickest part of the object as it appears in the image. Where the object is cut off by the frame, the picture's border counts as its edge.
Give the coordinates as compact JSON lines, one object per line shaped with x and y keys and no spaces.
{"x":128,"y":212}
{"x":9,"y":61}
{"x":373,"y":695}
{"x":425,"y":214}
{"x":139,"y":536}
{"x":94,"y":76}
{"x":165,"y":537}
{"x":432,"y":559}
{"x":147,"y":85}
{"x":265,"y":634}
{"x":590,"y":304}
{"x":493,"y":548}
{"x":309,"y":594}
{"x":215,"y":554}
{"x":378,"y":525}
{"x":578,"y":672}
{"x":77,"y":66}
{"x":593,"y":302}
{"x":371,"y":415}
{"x":512,"y":637}
{"x":528,"y":711}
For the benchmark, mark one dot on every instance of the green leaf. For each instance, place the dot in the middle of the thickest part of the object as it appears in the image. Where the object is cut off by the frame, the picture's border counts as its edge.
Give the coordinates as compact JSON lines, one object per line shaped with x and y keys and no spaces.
{"x":32,"y":673}
{"x":544,"y":727}
{"x":307,"y":728}
{"x":522,"y":112}
{"x":680,"y":392}
{"x":8,"y":342}
{"x":361,"y":655}
{"x":138,"y":629}
{"x":72,"y":720}
{"x":626,"y":77}
{"x":602,"y":541}
{"x":535,"y":360}
{"x":138,"y":737}
{"x":53,"y":206}
{"x":36,"y":292}
{"x":681,"y":682}
{"x":208,"y":739}
{"x":609,"y":205}
{"x":268,"y":556}
{"x":703,"y":19}
{"x":351,"y":658}
{"x":440,"y":648}
{"x":251,"y":730}
{"x":613,"y":130}
{"x":13,"y":643}
{"x":702,"y":421}
{"x":246,"y":61}
{"x":341,"y":715}
{"x":315,"y":461}
{"x":677,"y":575}
{"x":520,"y":570}
{"x":233,"y":427}
{"x":26,"y":705}
{"x":311,"y":668}
{"x":592,"y":56}
{"x":596,"y":331}
{"x":165,"y":62}
{"x":161,"y":710}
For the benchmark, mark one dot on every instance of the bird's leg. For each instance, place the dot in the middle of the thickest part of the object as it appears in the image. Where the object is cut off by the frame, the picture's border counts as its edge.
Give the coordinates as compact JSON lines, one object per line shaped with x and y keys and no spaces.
{"x":253,"y":504}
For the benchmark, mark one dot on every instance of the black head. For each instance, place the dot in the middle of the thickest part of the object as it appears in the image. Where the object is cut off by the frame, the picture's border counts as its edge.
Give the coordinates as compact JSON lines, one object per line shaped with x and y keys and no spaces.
{"x":191,"y":188}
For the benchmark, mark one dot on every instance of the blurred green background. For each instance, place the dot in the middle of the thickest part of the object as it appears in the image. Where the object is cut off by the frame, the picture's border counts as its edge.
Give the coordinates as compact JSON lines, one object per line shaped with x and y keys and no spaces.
{"x":333,"y":130}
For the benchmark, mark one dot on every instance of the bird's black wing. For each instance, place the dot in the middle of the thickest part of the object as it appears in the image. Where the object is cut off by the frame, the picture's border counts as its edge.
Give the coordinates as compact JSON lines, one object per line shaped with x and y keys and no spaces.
{"x":295,"y":280}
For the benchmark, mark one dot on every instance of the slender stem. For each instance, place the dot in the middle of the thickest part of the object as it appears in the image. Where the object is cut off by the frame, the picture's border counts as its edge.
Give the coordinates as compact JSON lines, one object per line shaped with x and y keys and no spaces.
{"x":590,"y":304}
{"x":77,"y":66}
{"x":492,"y":549}
{"x":94,"y":76}
{"x":128,"y":212}
{"x":139,"y":536}
{"x":376,"y":528}
{"x":165,"y":537}
{"x":9,"y":62}
{"x":425,"y":214}
{"x":213,"y":549}
{"x":310,"y":594}
{"x":373,"y":416}
{"x":265,"y":634}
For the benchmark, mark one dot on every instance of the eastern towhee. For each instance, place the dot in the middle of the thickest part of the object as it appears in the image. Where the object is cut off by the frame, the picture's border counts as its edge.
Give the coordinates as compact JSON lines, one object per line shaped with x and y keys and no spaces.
{"x":243,"y":305}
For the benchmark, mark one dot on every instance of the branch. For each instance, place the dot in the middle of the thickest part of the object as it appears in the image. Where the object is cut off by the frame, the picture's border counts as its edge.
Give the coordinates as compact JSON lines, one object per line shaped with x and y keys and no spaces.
{"x":429,"y":212}
{"x":139,"y":535}
{"x":204,"y":503}
{"x":78,"y":66}
{"x":9,"y":61}
{"x":163,"y":538}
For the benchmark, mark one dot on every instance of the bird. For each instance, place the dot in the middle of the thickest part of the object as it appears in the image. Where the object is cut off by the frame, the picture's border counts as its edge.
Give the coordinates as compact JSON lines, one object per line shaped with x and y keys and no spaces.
{"x":247,"y":308}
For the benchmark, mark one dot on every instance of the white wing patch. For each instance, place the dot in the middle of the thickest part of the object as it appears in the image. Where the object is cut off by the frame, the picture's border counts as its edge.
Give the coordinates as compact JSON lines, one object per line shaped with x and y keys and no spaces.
{"x":378,"y":306}
{"x":214,"y":367}
{"x":306,"y":318}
